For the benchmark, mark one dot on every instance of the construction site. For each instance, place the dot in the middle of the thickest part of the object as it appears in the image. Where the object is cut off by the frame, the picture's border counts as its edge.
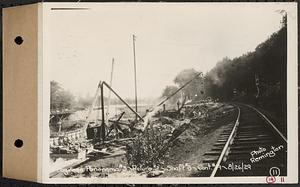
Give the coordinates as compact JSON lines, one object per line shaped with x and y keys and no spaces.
{"x":230,"y":121}
{"x":140,"y":144}
{"x":191,"y":138}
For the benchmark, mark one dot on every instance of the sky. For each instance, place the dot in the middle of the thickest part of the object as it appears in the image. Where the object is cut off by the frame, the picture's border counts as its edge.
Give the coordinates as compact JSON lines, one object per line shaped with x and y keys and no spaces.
{"x":80,"y":44}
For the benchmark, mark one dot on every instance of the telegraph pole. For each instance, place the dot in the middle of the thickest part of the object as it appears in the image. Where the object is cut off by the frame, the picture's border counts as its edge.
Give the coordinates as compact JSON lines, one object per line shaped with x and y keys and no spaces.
{"x":102,"y":110}
{"x":109,"y":92}
{"x":135,"y":85}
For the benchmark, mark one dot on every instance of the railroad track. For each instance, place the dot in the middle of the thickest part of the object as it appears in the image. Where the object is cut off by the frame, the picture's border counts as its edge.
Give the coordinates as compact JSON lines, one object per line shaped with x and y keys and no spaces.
{"x":250,"y":146}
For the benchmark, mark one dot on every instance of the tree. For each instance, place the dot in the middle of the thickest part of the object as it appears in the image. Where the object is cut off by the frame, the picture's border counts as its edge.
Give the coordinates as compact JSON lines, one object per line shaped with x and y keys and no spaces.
{"x":59,"y":98}
{"x":195,"y":89}
{"x":268,"y":62}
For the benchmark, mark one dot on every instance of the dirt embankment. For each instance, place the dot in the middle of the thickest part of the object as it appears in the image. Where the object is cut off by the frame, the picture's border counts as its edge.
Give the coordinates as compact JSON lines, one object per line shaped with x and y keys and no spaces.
{"x":198,"y":139}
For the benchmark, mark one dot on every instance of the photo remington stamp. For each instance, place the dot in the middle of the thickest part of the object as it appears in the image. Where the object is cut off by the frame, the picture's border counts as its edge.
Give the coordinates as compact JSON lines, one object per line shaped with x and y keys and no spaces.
{"x":169,"y":92}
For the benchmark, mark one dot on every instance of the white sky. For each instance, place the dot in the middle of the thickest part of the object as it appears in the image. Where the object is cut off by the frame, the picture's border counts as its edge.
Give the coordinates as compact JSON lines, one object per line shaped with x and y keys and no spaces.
{"x":170,"y":37}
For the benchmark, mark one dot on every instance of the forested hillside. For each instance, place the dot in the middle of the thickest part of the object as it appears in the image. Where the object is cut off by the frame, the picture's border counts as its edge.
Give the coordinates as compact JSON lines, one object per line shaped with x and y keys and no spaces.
{"x":235,"y":79}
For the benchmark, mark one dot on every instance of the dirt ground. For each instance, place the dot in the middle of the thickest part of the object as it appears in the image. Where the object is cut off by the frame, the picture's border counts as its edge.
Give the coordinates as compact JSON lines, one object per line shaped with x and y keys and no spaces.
{"x":196,"y":141}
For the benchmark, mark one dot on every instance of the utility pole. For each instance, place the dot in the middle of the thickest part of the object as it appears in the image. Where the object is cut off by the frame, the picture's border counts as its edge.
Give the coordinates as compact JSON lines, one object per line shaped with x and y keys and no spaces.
{"x":109,"y":92}
{"x":102,"y":110}
{"x":135,"y":85}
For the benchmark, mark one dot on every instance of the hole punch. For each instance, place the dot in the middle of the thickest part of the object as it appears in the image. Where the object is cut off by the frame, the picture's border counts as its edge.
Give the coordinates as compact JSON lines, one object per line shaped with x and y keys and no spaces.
{"x":19,"y":143}
{"x":19,"y":40}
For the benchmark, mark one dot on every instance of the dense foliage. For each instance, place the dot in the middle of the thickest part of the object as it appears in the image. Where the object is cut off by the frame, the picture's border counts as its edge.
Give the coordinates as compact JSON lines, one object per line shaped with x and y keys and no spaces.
{"x":234,"y":79}
{"x":147,"y":149}
{"x":258,"y":77}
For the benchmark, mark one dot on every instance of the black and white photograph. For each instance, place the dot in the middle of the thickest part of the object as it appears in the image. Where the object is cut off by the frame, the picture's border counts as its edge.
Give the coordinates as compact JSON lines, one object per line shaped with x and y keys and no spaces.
{"x":168,"y":91}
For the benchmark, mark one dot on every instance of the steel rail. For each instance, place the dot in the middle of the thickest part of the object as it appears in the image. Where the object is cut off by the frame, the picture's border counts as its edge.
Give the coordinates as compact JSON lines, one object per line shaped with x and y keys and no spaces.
{"x":268,"y":121}
{"x":228,"y":142}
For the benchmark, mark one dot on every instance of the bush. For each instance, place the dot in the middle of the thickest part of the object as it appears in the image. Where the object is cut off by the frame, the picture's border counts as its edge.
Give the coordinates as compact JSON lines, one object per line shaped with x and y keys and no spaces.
{"x":148,"y":149}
